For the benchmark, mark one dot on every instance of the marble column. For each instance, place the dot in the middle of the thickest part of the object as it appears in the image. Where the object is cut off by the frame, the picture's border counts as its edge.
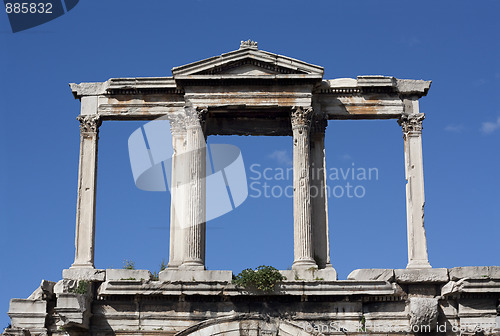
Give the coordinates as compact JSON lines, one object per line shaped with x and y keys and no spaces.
{"x":415,"y":198}
{"x":319,"y":203}
{"x":178,"y":191}
{"x":87,"y":179}
{"x":302,"y":224}
{"x":195,"y":232}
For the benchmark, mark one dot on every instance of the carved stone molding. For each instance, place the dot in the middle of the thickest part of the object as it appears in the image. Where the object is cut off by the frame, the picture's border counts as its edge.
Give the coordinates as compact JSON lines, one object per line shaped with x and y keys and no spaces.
{"x":248,"y":44}
{"x":177,"y":124}
{"x":423,"y":313}
{"x":301,"y":116}
{"x":89,"y":123}
{"x":411,"y":123}
{"x":201,"y":113}
{"x":196,"y":116}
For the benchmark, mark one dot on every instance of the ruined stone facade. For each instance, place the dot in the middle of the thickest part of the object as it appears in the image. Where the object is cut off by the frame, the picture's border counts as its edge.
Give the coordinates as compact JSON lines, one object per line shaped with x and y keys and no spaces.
{"x":254,"y":92}
{"x":458,"y":301}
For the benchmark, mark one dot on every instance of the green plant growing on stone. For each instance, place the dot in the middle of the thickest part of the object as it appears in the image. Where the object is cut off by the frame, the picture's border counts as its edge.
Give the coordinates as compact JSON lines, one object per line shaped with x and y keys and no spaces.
{"x":363,"y":323}
{"x":156,"y":275}
{"x":81,"y":288}
{"x":129,"y":264}
{"x":163,"y":266}
{"x":263,"y":278}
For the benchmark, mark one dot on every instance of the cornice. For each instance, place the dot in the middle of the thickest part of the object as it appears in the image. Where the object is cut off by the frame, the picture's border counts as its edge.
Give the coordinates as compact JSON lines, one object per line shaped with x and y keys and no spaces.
{"x":374,"y":84}
{"x":171,"y":85}
{"x":127,"y":86}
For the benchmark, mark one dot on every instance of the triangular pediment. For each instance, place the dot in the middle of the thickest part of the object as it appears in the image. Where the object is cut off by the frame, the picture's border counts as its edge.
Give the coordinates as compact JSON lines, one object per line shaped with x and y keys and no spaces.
{"x":240,"y":68}
{"x":246,"y":66}
{"x":248,"y":62}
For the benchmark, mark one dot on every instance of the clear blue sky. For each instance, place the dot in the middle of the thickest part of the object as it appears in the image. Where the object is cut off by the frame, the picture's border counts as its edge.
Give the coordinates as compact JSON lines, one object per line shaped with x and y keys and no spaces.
{"x":453,"y":43}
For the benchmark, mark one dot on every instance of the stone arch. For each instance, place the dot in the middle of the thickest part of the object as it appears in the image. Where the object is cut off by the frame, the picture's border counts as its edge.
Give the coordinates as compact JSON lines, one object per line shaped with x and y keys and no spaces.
{"x":245,"y":324}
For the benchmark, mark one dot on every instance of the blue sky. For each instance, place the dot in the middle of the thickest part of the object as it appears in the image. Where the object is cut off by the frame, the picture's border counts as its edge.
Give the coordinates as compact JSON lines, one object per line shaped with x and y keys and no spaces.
{"x":453,"y":43}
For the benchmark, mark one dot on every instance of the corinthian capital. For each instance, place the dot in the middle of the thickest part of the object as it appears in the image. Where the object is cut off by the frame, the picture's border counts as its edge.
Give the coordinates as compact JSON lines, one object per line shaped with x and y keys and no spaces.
{"x":195,"y":116}
{"x":89,"y":123}
{"x":411,"y":123}
{"x":177,"y":123}
{"x":301,"y":116}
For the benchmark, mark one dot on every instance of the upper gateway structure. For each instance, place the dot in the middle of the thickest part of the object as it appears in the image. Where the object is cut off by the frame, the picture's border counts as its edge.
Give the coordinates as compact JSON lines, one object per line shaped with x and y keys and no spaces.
{"x":254,"y":92}
{"x":251,"y":92}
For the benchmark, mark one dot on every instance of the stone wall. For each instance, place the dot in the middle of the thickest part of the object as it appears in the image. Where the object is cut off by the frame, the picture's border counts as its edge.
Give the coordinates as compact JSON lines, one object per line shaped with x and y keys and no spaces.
{"x":372,"y":301}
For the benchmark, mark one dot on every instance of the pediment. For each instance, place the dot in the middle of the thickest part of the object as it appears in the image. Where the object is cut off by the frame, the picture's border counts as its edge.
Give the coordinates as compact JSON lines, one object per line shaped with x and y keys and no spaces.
{"x":248,"y":62}
{"x":248,"y":69}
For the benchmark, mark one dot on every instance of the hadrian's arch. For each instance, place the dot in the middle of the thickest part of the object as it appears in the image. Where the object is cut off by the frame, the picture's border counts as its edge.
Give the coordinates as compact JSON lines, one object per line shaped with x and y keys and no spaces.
{"x":251,"y":92}
{"x":246,"y":324}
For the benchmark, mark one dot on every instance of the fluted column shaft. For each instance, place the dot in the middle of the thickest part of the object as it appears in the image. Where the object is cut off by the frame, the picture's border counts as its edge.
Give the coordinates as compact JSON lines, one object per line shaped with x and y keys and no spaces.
{"x":303,"y":233}
{"x":319,"y":203}
{"x":178,"y":191}
{"x":86,"y":201}
{"x":415,"y":197}
{"x":194,"y":249}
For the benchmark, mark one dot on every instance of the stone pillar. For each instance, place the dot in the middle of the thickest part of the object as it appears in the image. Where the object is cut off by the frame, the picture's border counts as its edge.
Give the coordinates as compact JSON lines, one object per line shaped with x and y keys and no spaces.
{"x":415,"y":199}
{"x":319,"y":203}
{"x":87,"y":178}
{"x":194,"y":233}
{"x":302,"y":224}
{"x":177,"y":191}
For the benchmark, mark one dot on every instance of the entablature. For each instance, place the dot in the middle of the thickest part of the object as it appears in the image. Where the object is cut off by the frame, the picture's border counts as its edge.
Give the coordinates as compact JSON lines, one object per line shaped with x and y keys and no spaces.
{"x":237,"y":83}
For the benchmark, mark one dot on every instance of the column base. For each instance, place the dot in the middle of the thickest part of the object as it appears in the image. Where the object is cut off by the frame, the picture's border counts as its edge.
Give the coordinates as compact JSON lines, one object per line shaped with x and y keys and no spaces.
{"x":418,"y":264}
{"x":173,"y":266}
{"x":304,"y":264}
{"x":192,"y":265}
{"x":83,"y":265}
{"x":325,"y":266}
